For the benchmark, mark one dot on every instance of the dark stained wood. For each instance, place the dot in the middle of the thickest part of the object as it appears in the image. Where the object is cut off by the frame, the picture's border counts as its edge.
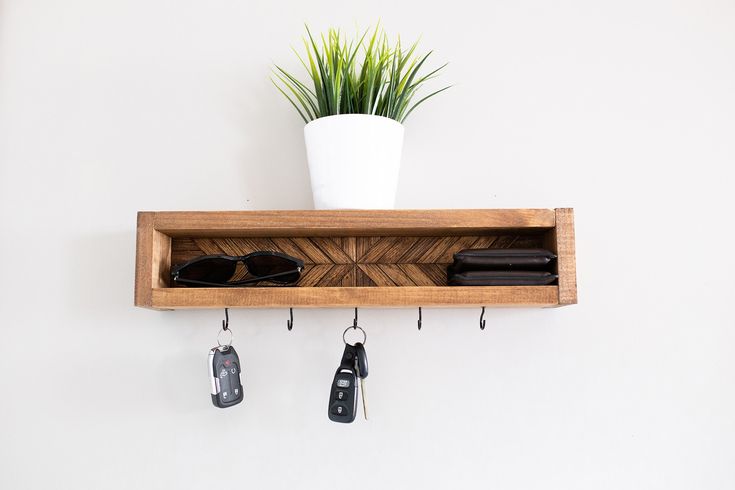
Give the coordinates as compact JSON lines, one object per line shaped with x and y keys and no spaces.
{"x":380,"y":260}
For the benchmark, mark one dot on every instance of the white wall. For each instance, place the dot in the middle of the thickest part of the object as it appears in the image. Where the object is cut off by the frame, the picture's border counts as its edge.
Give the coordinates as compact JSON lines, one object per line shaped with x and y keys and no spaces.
{"x":623,"y":110}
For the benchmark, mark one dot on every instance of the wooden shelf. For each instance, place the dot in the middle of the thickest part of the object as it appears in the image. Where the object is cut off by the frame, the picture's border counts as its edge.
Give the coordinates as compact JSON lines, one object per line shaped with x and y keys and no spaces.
{"x":375,"y":258}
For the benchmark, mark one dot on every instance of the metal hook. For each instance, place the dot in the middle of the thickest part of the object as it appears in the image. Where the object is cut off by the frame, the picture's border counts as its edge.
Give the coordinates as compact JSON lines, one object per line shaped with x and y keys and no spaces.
{"x":482,"y":322}
{"x":354,"y":322}
{"x":419,"y":318}
{"x":225,"y":328}
{"x":289,"y":323}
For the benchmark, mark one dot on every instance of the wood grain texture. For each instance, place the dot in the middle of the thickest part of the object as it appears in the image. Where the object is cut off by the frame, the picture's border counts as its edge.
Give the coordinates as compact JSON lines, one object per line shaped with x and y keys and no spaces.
{"x":350,"y":222}
{"x":566,"y":256}
{"x":144,"y":259}
{"x":352,"y":258}
{"x":391,"y":261}
{"x":161,"y":265}
{"x":152,"y":259}
{"x":335,"y":297}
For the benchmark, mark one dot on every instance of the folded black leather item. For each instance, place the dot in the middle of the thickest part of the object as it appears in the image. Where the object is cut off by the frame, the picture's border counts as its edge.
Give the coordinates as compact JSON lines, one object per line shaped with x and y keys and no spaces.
{"x":502,"y":278}
{"x":481,"y":259}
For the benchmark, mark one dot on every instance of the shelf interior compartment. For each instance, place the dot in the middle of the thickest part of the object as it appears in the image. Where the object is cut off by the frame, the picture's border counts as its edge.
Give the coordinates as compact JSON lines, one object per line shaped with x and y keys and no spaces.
{"x":359,"y":261}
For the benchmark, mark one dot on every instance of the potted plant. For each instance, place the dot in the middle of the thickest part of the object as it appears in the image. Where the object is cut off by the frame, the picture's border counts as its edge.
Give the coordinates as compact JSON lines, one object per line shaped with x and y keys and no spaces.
{"x":354,"y":104}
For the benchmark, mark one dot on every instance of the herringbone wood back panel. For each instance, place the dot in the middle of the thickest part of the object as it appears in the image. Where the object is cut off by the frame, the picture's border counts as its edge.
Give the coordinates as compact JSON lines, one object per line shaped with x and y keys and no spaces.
{"x":358,"y":261}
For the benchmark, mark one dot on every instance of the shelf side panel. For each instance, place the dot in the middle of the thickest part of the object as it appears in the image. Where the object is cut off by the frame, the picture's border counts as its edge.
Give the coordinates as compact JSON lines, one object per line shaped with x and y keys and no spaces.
{"x":152,"y":259}
{"x":143,"y":259}
{"x":564,"y":235}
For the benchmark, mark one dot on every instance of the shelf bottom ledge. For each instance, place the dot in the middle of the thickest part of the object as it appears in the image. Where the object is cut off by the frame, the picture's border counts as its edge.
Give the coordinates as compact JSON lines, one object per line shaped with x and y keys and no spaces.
{"x":340,"y":297}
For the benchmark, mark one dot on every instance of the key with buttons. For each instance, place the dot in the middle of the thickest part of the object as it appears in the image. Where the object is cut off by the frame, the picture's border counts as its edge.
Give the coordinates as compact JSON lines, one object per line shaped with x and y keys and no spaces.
{"x":224,"y":375}
{"x":224,"y":369}
{"x":343,"y":393}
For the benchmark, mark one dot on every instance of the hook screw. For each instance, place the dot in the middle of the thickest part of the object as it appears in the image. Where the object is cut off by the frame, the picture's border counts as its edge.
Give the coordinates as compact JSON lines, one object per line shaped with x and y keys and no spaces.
{"x":482,"y":322}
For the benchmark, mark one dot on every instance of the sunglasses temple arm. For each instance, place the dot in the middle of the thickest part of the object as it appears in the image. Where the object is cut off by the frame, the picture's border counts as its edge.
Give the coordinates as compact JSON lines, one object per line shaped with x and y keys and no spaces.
{"x":264,"y":278}
{"x":237,"y":283}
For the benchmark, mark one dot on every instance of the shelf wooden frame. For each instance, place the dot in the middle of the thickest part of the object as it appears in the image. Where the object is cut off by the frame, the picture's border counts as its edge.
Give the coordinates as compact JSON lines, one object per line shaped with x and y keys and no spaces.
{"x":161,"y":234}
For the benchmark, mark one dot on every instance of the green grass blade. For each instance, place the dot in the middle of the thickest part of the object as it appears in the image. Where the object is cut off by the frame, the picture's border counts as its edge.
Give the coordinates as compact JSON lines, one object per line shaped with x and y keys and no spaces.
{"x":306,"y":94}
{"x":420,"y":101}
{"x":365,"y":74}
{"x":291,"y":101}
{"x":303,"y":100}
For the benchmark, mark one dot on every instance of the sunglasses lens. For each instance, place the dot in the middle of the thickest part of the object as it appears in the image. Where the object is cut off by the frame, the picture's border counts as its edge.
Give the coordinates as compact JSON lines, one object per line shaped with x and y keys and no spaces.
{"x":266,"y":265}
{"x":214,"y":270}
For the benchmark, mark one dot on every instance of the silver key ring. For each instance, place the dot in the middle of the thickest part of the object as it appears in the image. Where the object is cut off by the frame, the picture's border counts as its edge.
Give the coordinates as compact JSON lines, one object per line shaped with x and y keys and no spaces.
{"x":228,"y":344}
{"x":364,"y":335}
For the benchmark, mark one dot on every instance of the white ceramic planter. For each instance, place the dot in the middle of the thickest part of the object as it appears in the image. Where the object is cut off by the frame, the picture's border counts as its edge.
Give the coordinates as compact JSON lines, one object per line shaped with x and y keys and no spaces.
{"x":354,"y":160}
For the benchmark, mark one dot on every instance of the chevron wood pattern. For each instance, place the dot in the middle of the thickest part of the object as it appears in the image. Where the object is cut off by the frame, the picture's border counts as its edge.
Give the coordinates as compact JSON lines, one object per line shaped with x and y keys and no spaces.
{"x":377,"y":261}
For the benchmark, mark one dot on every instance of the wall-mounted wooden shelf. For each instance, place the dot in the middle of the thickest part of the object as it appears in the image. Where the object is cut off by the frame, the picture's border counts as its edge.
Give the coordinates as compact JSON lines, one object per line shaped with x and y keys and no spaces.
{"x":377,"y":258}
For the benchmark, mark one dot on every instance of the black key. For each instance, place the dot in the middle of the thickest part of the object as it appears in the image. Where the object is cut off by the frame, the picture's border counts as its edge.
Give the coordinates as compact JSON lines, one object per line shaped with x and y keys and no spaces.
{"x":343,"y":392}
{"x":361,"y":369}
{"x":343,"y":396}
{"x":362,"y":362}
{"x":224,"y":374}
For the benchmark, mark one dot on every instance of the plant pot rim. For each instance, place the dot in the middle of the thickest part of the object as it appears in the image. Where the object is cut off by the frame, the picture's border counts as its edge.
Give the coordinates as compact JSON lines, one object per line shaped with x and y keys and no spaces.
{"x":353,"y":116}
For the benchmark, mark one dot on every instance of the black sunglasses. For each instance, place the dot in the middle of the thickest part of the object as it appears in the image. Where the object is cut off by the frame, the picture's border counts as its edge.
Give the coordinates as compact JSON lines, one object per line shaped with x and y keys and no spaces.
{"x":218,"y":270}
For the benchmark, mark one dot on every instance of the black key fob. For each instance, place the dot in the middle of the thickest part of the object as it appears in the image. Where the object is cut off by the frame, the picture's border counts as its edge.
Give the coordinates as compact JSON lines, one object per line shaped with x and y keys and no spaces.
{"x":343,"y":396}
{"x":224,"y":375}
{"x":343,"y":392}
{"x":362,"y":362}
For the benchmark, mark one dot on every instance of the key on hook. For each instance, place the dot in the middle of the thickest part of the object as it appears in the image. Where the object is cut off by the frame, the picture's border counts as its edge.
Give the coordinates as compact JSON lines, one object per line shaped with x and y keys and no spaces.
{"x":361,"y":369}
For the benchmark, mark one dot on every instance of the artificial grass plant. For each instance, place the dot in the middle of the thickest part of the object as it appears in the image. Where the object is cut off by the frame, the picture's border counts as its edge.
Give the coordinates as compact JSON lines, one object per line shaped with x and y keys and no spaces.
{"x":363,"y":76}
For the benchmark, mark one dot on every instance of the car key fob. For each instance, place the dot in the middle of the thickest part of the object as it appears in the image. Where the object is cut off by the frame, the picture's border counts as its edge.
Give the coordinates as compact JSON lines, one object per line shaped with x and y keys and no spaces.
{"x":343,"y":396}
{"x":362,"y":362}
{"x":343,"y":393}
{"x":224,"y":375}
